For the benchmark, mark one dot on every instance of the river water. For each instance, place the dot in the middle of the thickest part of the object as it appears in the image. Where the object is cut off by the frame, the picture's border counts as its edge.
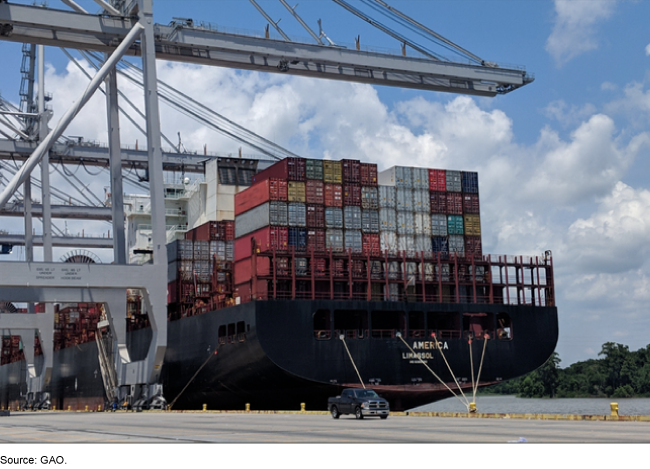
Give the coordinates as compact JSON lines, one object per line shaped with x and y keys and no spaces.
{"x":516,"y":405}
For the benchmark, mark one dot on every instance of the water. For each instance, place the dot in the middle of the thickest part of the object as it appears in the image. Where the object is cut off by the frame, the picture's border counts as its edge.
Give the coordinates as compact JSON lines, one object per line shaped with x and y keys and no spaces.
{"x":516,"y":405}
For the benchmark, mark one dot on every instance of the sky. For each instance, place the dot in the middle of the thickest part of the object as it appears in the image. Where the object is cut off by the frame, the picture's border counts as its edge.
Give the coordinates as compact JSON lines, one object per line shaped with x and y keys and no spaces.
{"x":563,"y":162}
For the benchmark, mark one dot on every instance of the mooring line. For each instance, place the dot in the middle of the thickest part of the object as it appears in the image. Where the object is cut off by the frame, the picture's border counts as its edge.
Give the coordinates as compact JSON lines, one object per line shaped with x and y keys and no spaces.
{"x":478,"y":377}
{"x":432,"y":372}
{"x":450,"y":371}
{"x":342,"y":337}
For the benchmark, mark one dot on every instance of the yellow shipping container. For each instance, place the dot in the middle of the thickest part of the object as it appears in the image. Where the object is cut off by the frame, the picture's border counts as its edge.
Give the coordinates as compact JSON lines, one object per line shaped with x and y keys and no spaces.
{"x":472,"y":225}
{"x":332,"y":172}
{"x":296,"y":191}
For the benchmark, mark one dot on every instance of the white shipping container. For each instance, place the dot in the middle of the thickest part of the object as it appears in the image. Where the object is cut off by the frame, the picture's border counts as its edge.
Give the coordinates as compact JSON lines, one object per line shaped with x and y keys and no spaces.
{"x":421,"y":200}
{"x":397,"y":176}
{"x":422,"y":224}
{"x":423,"y":243}
{"x":453,"y":181}
{"x":445,"y":272}
{"x":420,"y":178}
{"x":438,"y":225}
{"x":334,"y":240}
{"x":387,"y":219}
{"x":388,"y":241}
{"x":353,"y":241}
{"x":270,"y":213}
{"x":297,"y":214}
{"x":457,"y":244}
{"x":391,"y":292}
{"x":352,"y":218}
{"x":405,"y":223}
{"x":406,"y":243}
{"x":387,"y":197}
{"x":404,"y":199}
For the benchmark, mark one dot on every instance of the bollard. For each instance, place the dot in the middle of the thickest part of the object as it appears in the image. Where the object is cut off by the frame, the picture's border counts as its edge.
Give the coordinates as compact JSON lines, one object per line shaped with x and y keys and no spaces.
{"x":86,"y":408}
{"x":302,"y":407}
{"x":472,"y":407}
{"x":248,"y":407}
{"x":614,"y":407}
{"x":205,"y":407}
{"x":69,"y":408}
{"x":53,"y":407}
{"x":99,"y":408}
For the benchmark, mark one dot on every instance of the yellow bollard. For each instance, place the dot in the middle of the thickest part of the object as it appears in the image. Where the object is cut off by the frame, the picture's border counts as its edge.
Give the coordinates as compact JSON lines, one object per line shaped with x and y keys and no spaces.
{"x":69,"y":408}
{"x":99,"y":407}
{"x":614,"y":407}
{"x":302,"y":407}
{"x":86,"y":408}
{"x":472,"y":407}
{"x":53,"y":407}
{"x":205,"y":407}
{"x":248,"y":407}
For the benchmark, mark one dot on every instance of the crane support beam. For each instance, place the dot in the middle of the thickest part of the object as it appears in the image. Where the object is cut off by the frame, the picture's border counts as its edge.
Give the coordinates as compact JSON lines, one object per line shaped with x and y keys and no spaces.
{"x":59,"y":241}
{"x":59,"y":211}
{"x":28,"y":24}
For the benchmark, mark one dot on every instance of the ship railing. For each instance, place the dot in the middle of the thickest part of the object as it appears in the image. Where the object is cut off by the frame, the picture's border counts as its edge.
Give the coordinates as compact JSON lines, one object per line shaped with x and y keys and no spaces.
{"x":386,"y":333}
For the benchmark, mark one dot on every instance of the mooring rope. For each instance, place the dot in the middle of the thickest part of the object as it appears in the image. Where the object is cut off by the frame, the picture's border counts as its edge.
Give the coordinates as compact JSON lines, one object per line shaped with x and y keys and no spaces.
{"x":450,"y":371}
{"x":192,"y":379}
{"x":478,"y":377}
{"x":471,"y":367}
{"x":432,"y":372}
{"x":342,"y":337}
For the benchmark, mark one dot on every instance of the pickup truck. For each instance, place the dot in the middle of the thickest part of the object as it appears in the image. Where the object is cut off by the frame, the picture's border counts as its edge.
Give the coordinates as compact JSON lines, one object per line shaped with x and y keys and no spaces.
{"x":360,"y":402}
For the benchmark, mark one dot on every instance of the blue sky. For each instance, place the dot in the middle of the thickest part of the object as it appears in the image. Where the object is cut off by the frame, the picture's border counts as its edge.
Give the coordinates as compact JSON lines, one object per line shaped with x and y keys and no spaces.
{"x":563,"y":162}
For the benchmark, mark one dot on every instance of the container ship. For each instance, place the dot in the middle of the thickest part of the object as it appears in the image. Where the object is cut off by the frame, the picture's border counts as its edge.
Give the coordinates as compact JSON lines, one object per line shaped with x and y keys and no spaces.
{"x":290,"y":281}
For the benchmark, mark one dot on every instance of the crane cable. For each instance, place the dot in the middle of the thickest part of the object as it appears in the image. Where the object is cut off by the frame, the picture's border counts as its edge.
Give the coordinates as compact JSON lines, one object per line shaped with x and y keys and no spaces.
{"x":432,"y":372}
{"x":342,"y":337}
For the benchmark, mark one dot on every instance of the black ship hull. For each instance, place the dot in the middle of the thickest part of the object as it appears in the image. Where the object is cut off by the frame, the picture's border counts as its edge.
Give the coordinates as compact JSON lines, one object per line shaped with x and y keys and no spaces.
{"x":275,"y":355}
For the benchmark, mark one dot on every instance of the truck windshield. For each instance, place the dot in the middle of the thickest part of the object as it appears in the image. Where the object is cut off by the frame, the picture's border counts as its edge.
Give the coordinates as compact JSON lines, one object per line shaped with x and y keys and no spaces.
{"x":367,"y":393}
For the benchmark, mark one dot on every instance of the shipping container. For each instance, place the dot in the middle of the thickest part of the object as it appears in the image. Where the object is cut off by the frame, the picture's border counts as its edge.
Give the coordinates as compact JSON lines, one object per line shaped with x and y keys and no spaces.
{"x":222,"y":250}
{"x":454,"y":203}
{"x":438,"y":225}
{"x":186,"y":269}
{"x":422,"y":223}
{"x":296,"y":191}
{"x":387,"y":219}
{"x":369,"y":198}
{"x":298,"y":239}
{"x":319,"y":267}
{"x":301,"y":266}
{"x":316,"y":240}
{"x":404,"y":199}
{"x":438,"y":202}
{"x":455,"y":225}
{"x":420,"y":178}
{"x":333,"y":195}
{"x":473,"y":246}
{"x":405,"y":223}
{"x":243,"y":271}
{"x":334,"y":240}
{"x":387,"y":197}
{"x":391,"y":292}
{"x":370,"y":221}
{"x":268,"y":214}
{"x":444,"y":273}
{"x":368,"y":174}
{"x":352,"y":218}
{"x":315,"y":192}
{"x":457,"y":245}
{"x":201,"y":250}
{"x":423,"y":243}
{"x":406,"y":243}
{"x":471,"y":204}
{"x":315,"y":216}
{"x":333,"y":217}
{"x":439,"y":244}
{"x":472,"y":225}
{"x":421,"y":200}
{"x":397,"y":176}
{"x":437,"y":180}
{"x":272,"y":189}
{"x":388,"y":241}
{"x":267,"y":239}
{"x":314,"y":169}
{"x":453,"y":181}
{"x":469,"y":182}
{"x":352,"y":195}
{"x":371,"y":245}
{"x":332,"y":172}
{"x":297,"y":215}
{"x":351,"y":171}
{"x":353,"y":241}
{"x":289,"y":169}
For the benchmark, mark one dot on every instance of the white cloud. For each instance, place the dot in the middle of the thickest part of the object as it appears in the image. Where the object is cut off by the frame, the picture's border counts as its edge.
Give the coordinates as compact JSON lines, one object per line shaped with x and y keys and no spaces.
{"x":647,"y":49}
{"x":608,"y":86}
{"x":568,"y":114}
{"x":574,"y":31}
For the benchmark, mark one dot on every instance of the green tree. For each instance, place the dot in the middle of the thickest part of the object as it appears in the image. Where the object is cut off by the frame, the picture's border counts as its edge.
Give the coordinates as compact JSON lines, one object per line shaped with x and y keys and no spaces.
{"x":531,"y":386}
{"x":549,"y":373}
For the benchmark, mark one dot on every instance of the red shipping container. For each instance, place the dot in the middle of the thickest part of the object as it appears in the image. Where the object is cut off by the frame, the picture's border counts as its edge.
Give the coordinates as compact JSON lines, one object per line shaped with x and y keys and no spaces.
{"x":314,"y":192}
{"x":243,"y":269}
{"x":371,"y":245}
{"x":222,"y":231}
{"x":172,"y":292}
{"x":316,"y":240}
{"x":473,"y":246}
{"x":351,"y":171}
{"x":352,"y":195}
{"x":319,"y":267}
{"x":368,"y":174}
{"x":454,"y":203}
{"x":358,"y":268}
{"x":438,"y":202}
{"x":289,"y":169}
{"x":334,"y":195}
{"x":315,"y":216}
{"x":437,"y":180}
{"x":245,"y":292}
{"x":338,"y":268}
{"x":260,"y":193}
{"x":470,"y":203}
{"x":267,"y":238}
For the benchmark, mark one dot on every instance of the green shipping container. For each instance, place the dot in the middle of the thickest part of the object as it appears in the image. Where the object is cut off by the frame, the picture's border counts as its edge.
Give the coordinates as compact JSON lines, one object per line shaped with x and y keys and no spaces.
{"x":455,"y":224}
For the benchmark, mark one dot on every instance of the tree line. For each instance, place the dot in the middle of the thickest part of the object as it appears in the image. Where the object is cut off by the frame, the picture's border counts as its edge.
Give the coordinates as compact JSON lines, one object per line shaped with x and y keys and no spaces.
{"x":617,"y":373}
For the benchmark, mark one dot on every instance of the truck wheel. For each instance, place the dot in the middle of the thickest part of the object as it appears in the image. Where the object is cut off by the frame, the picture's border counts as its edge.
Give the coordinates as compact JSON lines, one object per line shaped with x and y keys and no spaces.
{"x":383,"y":417}
{"x":357,"y":413}
{"x":335,"y":412}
